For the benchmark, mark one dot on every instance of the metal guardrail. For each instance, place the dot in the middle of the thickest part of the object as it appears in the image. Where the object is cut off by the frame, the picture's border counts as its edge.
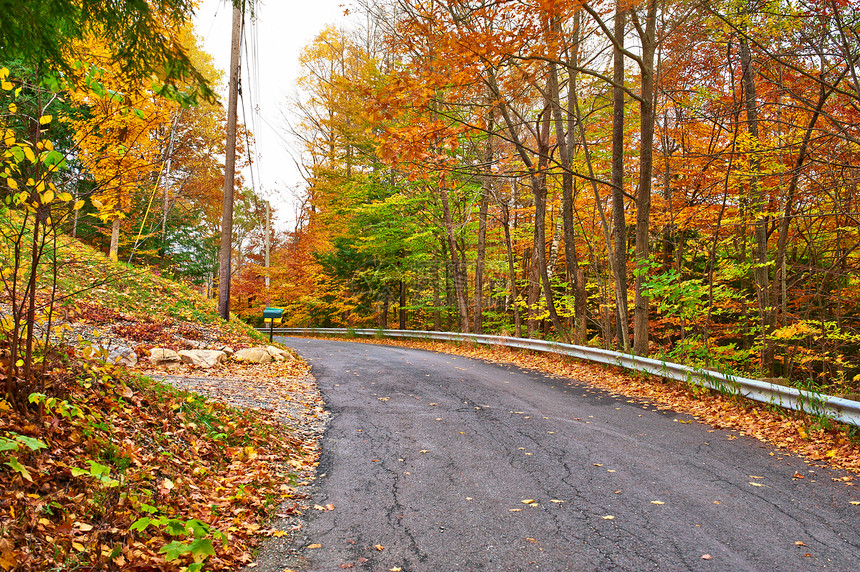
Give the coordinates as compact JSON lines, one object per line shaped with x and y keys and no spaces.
{"x":837,"y":408}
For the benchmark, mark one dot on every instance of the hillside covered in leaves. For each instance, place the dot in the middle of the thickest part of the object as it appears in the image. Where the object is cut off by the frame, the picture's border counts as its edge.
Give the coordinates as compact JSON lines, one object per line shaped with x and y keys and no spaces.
{"x":102,"y":468}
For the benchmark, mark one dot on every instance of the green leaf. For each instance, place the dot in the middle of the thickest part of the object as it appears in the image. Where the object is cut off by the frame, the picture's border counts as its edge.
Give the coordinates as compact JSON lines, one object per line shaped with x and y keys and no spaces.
{"x":54,"y":157}
{"x":197,"y":528}
{"x":13,"y":462}
{"x":148,"y":508}
{"x":174,"y":550}
{"x":33,"y":444}
{"x":8,"y":444}
{"x":140,"y":524}
{"x":201,"y":547}
{"x":176,"y":527}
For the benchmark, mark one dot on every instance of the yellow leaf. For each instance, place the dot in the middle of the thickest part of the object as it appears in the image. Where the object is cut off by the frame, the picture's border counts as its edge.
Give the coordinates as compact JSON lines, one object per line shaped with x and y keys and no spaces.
{"x":13,"y":184}
{"x":756,"y":484}
{"x":78,"y":546}
{"x":13,"y":108}
{"x":379,"y":547}
{"x":395,"y":569}
{"x":84,"y":527}
{"x":831,"y":453}
{"x":854,"y":502}
{"x":6,"y":85}
{"x":315,"y":546}
{"x":28,"y":152}
{"x":49,"y":145}
{"x":556,"y":501}
{"x":657,"y":502}
{"x":44,"y":521}
{"x":45,"y":119}
{"x":608,"y":517}
{"x":79,"y":205}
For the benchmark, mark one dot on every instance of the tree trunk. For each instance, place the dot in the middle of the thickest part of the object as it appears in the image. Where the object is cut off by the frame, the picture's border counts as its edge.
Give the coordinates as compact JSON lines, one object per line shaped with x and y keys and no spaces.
{"x":437,"y":301}
{"x":486,"y":190}
{"x":646,"y":166}
{"x":457,"y":266}
{"x":760,"y":265}
{"x":402,"y":306}
{"x":565,"y":142}
{"x":618,"y":223}
{"x":113,"y":251}
{"x":506,"y":213}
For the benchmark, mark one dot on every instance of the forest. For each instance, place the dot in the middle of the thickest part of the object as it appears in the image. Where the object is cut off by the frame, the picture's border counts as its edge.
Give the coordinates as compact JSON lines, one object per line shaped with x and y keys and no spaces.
{"x":675,"y":179}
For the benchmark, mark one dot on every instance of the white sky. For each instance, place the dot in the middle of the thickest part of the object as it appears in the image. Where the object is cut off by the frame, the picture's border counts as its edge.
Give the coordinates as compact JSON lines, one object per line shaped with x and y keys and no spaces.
{"x":283,"y":28}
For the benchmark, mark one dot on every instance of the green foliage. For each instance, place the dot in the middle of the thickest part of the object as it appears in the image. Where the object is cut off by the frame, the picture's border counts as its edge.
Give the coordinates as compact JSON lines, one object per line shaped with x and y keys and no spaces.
{"x":42,"y":33}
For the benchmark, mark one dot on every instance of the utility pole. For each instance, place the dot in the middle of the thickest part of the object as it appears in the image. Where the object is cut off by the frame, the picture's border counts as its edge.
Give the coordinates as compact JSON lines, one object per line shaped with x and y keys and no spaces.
{"x":268,"y":239}
{"x":229,"y":170}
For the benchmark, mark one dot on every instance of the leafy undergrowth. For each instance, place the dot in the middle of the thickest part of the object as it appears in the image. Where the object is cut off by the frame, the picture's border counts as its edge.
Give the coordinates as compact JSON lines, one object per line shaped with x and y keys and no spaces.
{"x":115,"y":472}
{"x":103,"y":469}
{"x":815,"y":439}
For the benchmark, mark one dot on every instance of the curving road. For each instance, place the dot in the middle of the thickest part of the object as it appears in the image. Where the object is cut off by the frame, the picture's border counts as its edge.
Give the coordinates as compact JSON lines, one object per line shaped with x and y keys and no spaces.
{"x":430,"y":458}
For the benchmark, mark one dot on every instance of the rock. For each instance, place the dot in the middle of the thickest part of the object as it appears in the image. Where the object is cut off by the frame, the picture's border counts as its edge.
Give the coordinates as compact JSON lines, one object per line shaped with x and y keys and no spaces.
{"x":123,"y":356}
{"x":164,"y":356}
{"x":278,"y":354}
{"x":202,"y":358}
{"x":119,"y":355}
{"x":253,"y":355}
{"x":227,"y":350}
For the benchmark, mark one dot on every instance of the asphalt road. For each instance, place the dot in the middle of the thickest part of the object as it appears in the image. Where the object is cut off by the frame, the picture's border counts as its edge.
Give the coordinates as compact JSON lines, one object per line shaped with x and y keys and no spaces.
{"x":435,"y":462}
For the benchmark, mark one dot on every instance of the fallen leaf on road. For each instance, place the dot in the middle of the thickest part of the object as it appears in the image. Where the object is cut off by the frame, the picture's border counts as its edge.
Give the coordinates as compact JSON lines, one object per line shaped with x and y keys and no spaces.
{"x":799,"y":543}
{"x":854,"y":502}
{"x":379,"y":547}
{"x":608,"y":517}
{"x":798,"y":476}
{"x":706,"y":556}
{"x":315,"y":546}
{"x":515,"y":510}
{"x":424,"y":451}
{"x":755,"y":477}
{"x":347,"y":565}
{"x":657,"y":502}
{"x":556,"y":501}
{"x":598,"y":464}
{"x":395,"y":569}
{"x":528,"y":501}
